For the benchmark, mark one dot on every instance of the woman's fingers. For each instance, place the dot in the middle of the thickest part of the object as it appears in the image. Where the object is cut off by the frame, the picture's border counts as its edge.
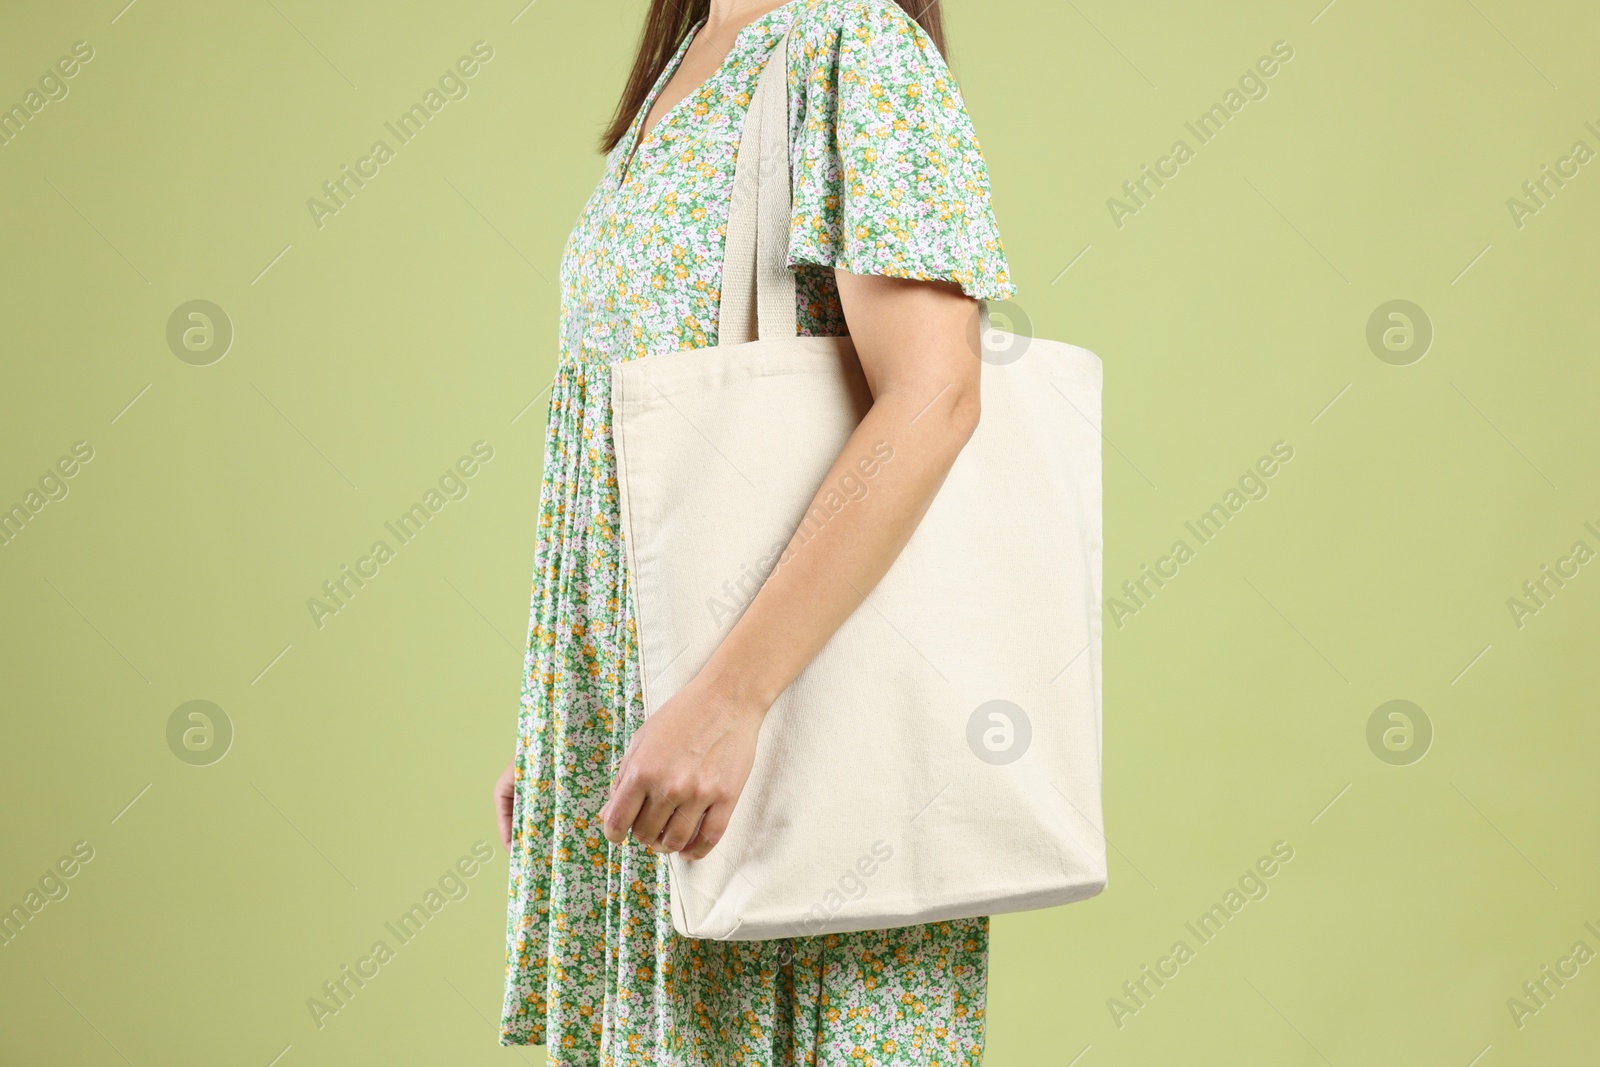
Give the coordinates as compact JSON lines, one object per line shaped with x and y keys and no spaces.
{"x":622,"y":810}
{"x":652,"y":819}
{"x":680,"y":828}
{"x":622,"y":769}
{"x":712,"y":826}
{"x":505,"y":801}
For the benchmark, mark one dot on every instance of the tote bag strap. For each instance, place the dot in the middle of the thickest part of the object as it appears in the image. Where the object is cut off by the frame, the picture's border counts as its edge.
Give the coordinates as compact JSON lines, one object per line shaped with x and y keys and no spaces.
{"x":756,"y":281}
{"x":758,"y":289}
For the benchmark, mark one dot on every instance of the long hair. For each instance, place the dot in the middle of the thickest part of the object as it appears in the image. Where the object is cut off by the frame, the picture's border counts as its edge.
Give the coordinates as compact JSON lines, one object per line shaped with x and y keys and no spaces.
{"x":666,"y":25}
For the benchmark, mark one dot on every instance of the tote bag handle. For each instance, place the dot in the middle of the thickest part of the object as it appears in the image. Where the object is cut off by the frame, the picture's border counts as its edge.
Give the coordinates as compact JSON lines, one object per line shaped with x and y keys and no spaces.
{"x":755,"y":273}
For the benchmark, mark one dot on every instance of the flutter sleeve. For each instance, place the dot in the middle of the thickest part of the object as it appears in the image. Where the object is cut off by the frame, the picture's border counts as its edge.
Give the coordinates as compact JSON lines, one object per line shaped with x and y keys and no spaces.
{"x":888,"y":177}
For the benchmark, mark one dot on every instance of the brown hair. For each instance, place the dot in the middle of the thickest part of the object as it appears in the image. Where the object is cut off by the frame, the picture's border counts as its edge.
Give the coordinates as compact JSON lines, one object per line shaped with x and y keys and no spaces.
{"x":666,"y":25}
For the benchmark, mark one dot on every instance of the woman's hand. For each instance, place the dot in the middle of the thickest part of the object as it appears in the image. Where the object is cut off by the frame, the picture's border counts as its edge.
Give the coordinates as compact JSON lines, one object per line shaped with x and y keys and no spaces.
{"x":504,"y":798}
{"x":684,"y":770}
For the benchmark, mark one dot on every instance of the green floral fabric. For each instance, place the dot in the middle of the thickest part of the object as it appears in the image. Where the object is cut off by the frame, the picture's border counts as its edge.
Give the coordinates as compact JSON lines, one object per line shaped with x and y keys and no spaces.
{"x":888,"y":179}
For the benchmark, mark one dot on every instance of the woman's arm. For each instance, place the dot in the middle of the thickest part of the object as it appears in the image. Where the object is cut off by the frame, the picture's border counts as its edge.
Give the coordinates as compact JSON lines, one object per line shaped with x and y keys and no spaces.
{"x":686,"y":766}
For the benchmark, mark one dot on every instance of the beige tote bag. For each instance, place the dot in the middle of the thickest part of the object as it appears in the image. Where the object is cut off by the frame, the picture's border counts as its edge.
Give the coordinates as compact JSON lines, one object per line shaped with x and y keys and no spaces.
{"x":940,"y":757}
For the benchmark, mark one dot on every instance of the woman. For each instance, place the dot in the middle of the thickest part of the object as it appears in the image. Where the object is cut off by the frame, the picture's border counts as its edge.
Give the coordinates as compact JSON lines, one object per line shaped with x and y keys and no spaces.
{"x":893,"y":241}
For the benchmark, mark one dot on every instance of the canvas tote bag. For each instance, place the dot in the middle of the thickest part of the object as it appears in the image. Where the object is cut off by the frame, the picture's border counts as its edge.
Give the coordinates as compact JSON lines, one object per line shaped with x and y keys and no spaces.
{"x":940,"y":757}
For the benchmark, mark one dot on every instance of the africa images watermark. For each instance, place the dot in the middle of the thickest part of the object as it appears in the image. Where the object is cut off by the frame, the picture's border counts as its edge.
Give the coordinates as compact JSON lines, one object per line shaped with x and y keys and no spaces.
{"x":1140,"y":591}
{"x":52,"y":88}
{"x":452,"y":485}
{"x":1138,"y":992}
{"x":351,"y":179}
{"x":340,"y":990}
{"x":52,"y":487}
{"x":1252,"y":85}
{"x":850,"y":487}
{"x":1537,"y":192}
{"x":53,"y":885}
{"x":1537,"y":993}
{"x":1539,"y":591}
{"x":851,"y":885}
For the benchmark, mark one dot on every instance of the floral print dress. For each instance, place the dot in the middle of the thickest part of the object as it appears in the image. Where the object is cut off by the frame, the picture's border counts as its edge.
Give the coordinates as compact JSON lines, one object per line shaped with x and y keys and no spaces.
{"x":888,"y":179}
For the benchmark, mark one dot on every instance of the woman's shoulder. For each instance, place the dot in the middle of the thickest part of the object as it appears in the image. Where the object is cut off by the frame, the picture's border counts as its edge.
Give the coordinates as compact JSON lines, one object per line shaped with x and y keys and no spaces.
{"x":888,"y":175}
{"x":828,"y":26}
{"x":872,"y":61}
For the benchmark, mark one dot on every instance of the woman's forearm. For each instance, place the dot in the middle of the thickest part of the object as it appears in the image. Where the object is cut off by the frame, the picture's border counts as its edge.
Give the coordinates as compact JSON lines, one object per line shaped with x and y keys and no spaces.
{"x":870,"y":503}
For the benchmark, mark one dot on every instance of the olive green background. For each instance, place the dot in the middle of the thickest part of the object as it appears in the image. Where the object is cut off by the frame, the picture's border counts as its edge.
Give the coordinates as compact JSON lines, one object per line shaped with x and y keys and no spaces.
{"x":369,"y":354}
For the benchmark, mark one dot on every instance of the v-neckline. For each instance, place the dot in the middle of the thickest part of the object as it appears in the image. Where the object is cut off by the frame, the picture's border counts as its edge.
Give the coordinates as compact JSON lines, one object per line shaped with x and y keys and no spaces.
{"x":640,"y":134}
